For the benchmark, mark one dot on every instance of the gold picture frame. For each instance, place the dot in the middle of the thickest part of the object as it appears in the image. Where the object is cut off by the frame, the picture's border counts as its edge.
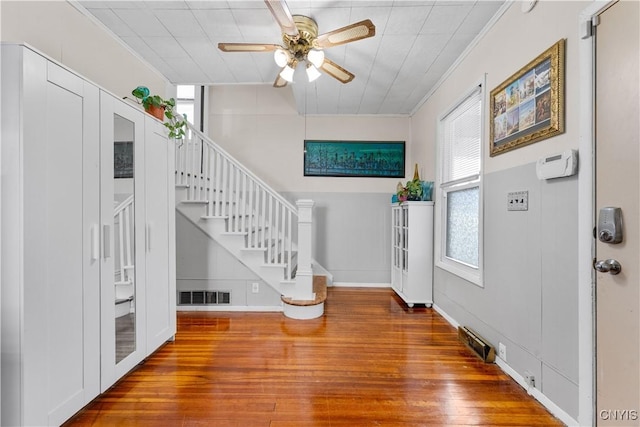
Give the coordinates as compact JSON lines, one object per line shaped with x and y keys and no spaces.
{"x":529,"y":106}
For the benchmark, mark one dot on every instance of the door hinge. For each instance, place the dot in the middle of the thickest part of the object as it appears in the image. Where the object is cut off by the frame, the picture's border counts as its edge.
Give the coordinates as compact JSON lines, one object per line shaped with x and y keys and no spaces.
{"x":589,"y":27}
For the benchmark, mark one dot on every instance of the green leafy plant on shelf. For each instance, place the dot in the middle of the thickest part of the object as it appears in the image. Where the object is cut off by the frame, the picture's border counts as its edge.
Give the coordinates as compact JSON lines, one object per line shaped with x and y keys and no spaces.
{"x":411,"y":191}
{"x":161,"y":108}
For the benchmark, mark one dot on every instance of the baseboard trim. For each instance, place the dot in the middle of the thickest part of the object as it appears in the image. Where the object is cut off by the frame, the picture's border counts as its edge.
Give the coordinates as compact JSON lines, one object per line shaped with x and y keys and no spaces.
{"x":448,"y":318}
{"x":537,"y":394}
{"x":234,"y":308}
{"x":359,"y":285}
{"x":534,"y":392}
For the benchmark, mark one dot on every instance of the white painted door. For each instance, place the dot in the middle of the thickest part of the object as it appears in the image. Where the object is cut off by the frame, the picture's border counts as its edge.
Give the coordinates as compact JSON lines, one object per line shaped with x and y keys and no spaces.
{"x":50,"y":277}
{"x":160,"y":255}
{"x":617,"y":185}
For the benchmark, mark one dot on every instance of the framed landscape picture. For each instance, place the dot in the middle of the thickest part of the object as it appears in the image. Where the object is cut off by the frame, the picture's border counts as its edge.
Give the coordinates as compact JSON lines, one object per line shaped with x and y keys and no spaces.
{"x":382,"y":159}
{"x":529,"y":105}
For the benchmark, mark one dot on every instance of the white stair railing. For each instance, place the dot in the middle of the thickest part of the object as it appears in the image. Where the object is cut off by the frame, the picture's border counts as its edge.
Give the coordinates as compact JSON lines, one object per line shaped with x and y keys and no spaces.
{"x":123,"y":223}
{"x":231,"y":191}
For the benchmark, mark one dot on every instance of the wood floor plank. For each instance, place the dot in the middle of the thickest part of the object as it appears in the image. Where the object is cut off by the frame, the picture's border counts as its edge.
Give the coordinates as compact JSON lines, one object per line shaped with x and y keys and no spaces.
{"x":370,"y":361}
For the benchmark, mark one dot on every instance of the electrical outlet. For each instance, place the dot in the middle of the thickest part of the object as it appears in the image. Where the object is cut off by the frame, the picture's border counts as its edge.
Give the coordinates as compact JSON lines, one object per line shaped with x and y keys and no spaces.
{"x":518,"y":201}
{"x":255,"y":287}
{"x":529,"y":379}
{"x":502,"y":351}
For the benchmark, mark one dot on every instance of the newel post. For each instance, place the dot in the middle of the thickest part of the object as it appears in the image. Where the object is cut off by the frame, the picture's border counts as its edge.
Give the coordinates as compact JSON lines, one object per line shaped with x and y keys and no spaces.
{"x":304,"y":275}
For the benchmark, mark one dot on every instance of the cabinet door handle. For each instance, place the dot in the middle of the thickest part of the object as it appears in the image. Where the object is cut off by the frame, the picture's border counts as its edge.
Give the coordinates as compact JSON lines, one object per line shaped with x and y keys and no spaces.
{"x":106,"y":241}
{"x":149,"y":237}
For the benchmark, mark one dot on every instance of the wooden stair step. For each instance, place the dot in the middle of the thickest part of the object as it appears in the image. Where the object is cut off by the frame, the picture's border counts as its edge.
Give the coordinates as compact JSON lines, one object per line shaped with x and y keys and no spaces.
{"x":320,"y":290}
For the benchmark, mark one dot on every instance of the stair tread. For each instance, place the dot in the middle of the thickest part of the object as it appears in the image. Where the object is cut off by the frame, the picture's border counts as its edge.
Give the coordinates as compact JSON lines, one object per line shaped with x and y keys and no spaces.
{"x":320,"y":290}
{"x":195,"y":202}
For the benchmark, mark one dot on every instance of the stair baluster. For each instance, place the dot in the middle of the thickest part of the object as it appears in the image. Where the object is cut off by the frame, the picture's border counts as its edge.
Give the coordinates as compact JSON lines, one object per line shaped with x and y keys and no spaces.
{"x":233,"y":192}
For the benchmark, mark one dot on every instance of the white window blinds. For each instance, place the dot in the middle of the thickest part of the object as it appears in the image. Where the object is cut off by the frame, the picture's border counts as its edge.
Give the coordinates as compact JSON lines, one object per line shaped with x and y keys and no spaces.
{"x":462,"y":135}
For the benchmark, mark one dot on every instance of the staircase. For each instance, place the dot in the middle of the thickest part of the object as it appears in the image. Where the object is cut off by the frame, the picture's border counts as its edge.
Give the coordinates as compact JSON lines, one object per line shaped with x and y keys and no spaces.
{"x":264,"y":231}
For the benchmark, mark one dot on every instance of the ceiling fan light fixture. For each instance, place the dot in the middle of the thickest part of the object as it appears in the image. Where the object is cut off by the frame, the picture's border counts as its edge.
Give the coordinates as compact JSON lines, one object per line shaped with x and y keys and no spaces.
{"x":312,"y":73}
{"x":281,"y":57}
{"x":287,"y":73}
{"x":316,"y":57}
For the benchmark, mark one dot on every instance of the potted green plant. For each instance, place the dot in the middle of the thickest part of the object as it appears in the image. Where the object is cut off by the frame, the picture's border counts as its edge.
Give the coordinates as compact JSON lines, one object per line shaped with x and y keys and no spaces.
{"x":161,"y":108}
{"x":411,"y":191}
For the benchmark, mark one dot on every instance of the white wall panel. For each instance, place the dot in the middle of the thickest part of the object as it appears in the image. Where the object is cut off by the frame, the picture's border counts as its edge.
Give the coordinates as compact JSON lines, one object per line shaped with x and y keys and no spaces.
{"x":530,"y":298}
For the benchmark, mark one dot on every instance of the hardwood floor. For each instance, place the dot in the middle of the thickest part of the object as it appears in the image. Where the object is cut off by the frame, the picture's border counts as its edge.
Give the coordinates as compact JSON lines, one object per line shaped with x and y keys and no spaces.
{"x":370,"y":361}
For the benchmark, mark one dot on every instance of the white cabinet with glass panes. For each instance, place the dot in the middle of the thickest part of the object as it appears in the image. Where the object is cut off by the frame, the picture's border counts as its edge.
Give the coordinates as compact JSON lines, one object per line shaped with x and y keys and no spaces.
{"x":412,"y":252}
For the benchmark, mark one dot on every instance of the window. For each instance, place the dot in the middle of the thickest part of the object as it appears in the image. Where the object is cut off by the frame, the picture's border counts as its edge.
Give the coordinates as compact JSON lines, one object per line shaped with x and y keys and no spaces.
{"x":185,"y":101}
{"x":190,"y":101}
{"x":460,"y":189}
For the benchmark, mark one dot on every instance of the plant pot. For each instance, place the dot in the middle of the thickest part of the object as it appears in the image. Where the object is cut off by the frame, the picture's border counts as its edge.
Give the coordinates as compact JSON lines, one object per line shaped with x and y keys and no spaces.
{"x":157,"y":112}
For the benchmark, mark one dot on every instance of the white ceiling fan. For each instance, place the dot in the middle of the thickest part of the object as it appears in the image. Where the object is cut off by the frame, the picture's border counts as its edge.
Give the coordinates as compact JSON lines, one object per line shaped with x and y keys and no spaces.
{"x":302,"y":44}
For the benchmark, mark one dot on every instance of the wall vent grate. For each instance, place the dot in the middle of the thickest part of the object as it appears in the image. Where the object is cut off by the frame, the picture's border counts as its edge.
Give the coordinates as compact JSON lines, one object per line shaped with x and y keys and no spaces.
{"x":204,"y":297}
{"x":475,"y":342}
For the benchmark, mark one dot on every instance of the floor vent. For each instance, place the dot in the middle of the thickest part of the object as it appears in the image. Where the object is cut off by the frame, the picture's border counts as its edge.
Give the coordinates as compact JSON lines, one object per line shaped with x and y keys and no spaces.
{"x":204,"y":297}
{"x":476,"y":343}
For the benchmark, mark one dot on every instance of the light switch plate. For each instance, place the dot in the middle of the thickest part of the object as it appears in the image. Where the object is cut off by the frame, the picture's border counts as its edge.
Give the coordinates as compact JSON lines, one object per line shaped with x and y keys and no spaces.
{"x":518,"y":201}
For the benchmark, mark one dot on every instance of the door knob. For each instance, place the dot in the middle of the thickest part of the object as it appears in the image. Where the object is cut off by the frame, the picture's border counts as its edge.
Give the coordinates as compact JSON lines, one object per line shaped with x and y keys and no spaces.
{"x":610,"y":266}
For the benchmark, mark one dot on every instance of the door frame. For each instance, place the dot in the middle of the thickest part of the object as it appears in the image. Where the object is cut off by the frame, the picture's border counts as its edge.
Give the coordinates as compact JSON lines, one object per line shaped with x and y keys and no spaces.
{"x":586,"y":217}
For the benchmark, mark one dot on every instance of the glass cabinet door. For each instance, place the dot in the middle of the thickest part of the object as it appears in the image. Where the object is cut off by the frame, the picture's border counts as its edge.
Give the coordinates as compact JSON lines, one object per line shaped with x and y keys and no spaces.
{"x":405,"y":238}
{"x":122,"y":306}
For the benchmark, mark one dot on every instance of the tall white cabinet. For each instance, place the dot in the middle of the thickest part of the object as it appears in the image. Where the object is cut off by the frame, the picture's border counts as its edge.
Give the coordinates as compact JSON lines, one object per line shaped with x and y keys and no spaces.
{"x":412,"y":252}
{"x":61,"y":243}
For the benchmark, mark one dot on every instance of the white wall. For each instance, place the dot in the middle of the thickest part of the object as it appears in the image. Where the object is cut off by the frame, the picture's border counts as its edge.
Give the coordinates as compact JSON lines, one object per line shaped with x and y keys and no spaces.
{"x":514,"y":40}
{"x":60,"y":31}
{"x":204,"y":265}
{"x":260,"y":126}
{"x":530,"y":297}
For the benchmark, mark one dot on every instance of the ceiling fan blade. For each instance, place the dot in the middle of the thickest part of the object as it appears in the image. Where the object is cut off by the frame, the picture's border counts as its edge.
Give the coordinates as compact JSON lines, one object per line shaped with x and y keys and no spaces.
{"x":336,"y":71}
{"x":279,"y":82}
{"x":281,"y":13}
{"x":247,"y":47}
{"x":350,"y":33}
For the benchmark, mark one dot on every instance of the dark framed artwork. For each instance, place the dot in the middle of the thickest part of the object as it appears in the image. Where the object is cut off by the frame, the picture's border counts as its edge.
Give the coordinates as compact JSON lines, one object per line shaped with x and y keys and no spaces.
{"x":123,"y":159}
{"x":381,"y":159}
{"x":529,"y":106}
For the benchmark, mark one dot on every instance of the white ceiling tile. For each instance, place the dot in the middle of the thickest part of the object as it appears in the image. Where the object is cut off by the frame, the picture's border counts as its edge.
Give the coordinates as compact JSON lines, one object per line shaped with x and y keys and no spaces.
{"x":478,"y":17}
{"x":379,"y":15}
{"x":143,"y":22}
{"x":415,"y":42}
{"x":445,"y":18}
{"x":117,"y":4}
{"x":257,"y":25}
{"x":113,"y":22}
{"x":140,"y":46}
{"x":167,"y":47}
{"x":166,"y":4}
{"x":329,"y":19}
{"x":180,"y":23}
{"x":95,"y":4}
{"x":246,"y":4}
{"x":201,"y":5}
{"x":407,"y":20}
{"x":219,"y":25}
